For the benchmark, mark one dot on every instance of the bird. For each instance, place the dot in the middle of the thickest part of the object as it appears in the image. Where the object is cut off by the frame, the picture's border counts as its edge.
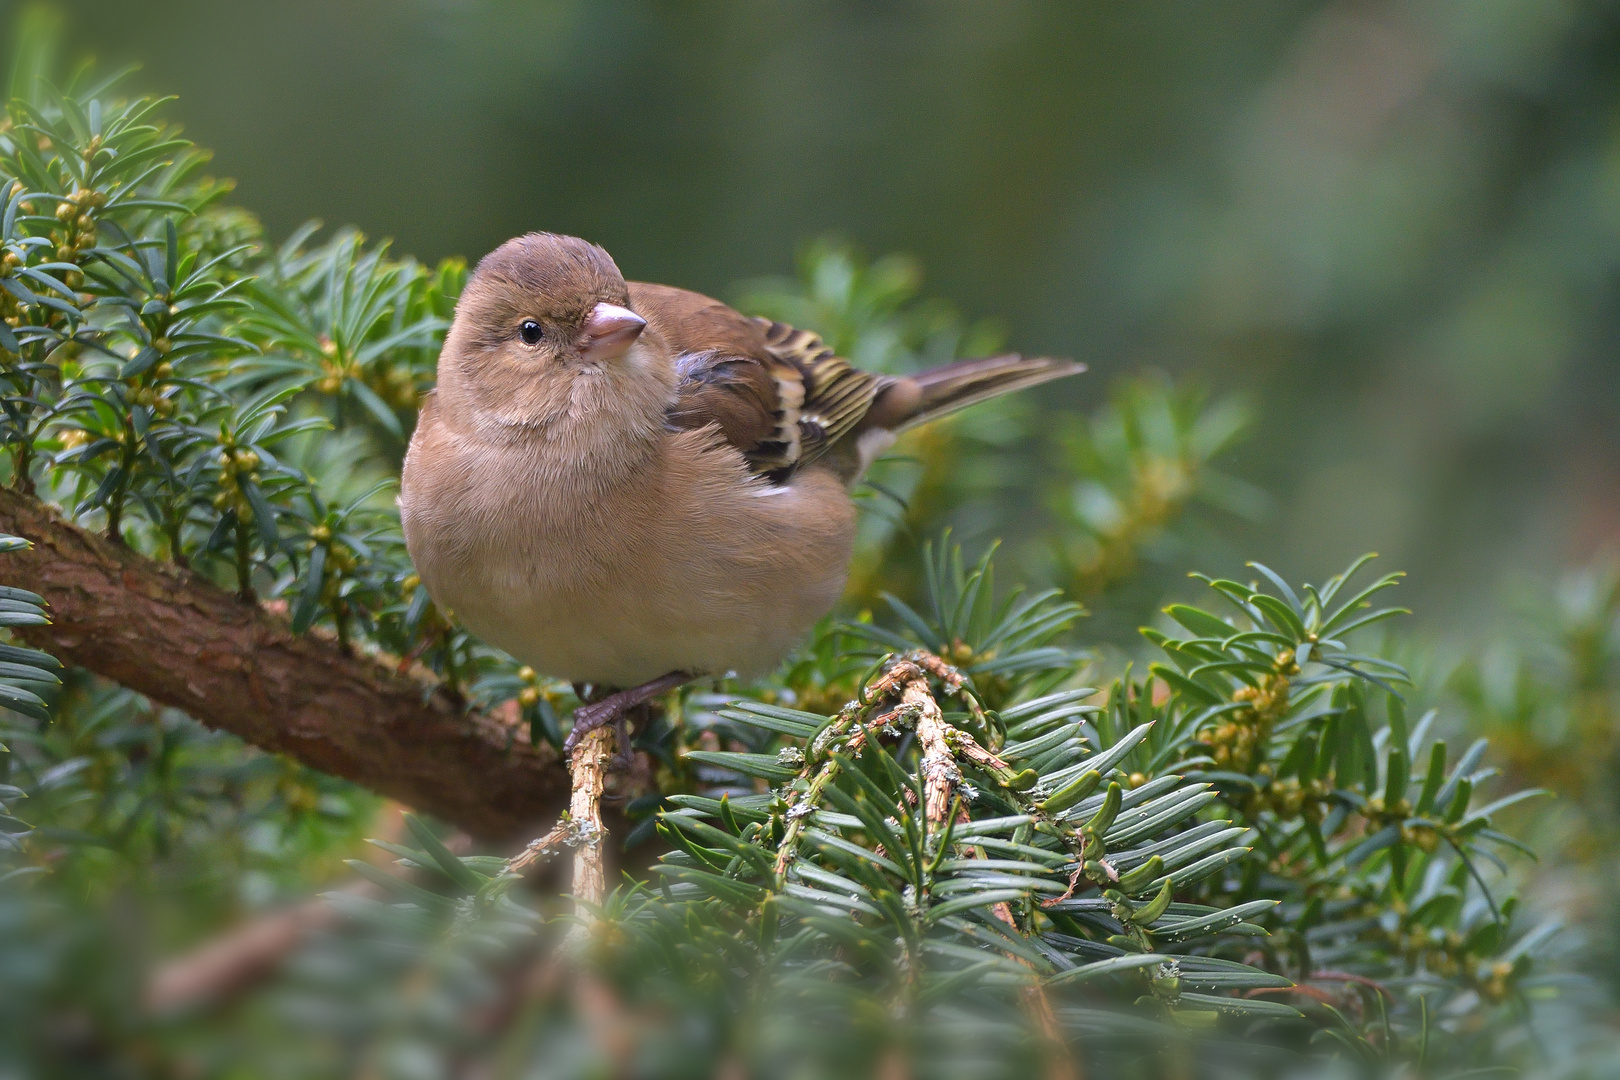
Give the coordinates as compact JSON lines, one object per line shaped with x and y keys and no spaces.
{"x":631,"y":486}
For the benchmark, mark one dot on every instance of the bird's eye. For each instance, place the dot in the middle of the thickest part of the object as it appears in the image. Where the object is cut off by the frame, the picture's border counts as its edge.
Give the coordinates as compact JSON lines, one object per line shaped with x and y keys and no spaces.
{"x":529,"y":332}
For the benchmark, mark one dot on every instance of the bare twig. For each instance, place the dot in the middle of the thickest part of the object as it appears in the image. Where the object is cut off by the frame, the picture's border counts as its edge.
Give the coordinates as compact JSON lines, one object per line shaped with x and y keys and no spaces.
{"x":841,"y":733}
{"x":245,"y":955}
{"x":237,"y":960}
{"x":953,"y":679}
{"x":589,"y":767}
{"x":940,"y":771}
{"x":978,"y":755}
{"x":537,"y":848}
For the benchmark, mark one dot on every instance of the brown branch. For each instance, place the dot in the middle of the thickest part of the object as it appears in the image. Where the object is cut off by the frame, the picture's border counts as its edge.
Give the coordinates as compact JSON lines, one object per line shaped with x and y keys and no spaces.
{"x":538,"y":848}
{"x":838,"y":733}
{"x":940,"y":772}
{"x":586,"y":833}
{"x":244,"y":955}
{"x":939,"y":669}
{"x":237,"y":960}
{"x":185,"y":642}
{"x":981,"y":757}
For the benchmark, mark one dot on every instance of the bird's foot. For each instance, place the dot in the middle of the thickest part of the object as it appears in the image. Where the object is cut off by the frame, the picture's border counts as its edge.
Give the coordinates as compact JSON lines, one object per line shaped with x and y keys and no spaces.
{"x":614,"y":709}
{"x":588,"y":718}
{"x":623,"y":754}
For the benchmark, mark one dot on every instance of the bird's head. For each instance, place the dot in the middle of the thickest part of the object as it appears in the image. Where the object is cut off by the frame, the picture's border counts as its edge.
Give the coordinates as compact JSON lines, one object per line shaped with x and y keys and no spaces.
{"x":543,"y":332}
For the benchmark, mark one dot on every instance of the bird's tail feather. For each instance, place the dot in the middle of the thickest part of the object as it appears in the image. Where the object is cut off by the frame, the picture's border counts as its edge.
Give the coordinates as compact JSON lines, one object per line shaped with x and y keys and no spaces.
{"x":967,"y":382}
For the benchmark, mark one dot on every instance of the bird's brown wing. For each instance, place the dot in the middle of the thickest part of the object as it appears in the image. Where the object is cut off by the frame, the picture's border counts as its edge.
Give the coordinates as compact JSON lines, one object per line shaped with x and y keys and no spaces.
{"x":754,"y":402}
{"x":777,"y":394}
{"x":837,"y":396}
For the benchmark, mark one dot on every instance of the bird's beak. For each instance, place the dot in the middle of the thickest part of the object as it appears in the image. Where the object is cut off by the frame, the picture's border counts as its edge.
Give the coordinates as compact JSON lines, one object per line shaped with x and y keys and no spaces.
{"x":609,"y":332}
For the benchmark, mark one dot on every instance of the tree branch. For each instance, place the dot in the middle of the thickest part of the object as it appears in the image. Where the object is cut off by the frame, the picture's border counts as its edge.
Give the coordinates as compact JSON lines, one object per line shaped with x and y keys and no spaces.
{"x":184,"y":642}
{"x":589,"y":770}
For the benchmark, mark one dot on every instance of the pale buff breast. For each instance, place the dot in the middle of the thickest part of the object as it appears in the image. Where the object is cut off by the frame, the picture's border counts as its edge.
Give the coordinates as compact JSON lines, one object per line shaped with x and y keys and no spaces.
{"x":688,"y":564}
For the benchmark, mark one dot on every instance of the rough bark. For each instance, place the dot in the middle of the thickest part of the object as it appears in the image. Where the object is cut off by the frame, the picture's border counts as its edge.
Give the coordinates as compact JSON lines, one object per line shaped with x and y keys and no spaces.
{"x":184,"y":642}
{"x":940,"y":772}
{"x":589,"y":768}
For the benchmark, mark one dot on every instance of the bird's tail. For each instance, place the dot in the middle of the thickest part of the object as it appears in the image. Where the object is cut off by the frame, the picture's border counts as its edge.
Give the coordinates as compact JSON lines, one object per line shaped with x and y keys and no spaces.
{"x":968,"y":382}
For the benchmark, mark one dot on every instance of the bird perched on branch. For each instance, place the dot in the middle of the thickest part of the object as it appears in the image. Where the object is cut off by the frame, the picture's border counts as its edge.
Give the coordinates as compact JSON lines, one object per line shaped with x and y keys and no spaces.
{"x":633,"y":485}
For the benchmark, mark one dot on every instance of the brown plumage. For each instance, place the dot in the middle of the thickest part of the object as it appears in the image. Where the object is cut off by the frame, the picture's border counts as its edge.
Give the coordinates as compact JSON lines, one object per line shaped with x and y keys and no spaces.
{"x":785,"y":400}
{"x":615,"y":481}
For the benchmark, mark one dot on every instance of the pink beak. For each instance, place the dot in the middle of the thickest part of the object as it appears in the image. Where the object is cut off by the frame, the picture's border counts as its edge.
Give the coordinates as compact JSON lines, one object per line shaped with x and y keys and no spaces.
{"x":609,"y":332}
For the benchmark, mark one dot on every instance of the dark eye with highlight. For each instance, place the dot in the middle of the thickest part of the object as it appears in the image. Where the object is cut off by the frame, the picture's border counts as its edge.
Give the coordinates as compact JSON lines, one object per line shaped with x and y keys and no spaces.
{"x":529,"y":332}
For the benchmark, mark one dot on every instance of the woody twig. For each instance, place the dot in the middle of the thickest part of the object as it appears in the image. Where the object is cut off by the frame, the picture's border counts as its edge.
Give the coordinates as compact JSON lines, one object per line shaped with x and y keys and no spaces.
{"x":588,"y":768}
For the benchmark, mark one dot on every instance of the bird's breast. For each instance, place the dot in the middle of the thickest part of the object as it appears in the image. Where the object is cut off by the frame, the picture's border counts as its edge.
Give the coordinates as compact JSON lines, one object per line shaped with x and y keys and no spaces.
{"x":681,"y":565}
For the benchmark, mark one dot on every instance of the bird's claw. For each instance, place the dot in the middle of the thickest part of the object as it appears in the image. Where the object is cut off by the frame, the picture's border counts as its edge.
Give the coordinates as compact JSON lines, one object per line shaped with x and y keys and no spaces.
{"x":587,"y":718}
{"x":615,"y":709}
{"x":623,"y":754}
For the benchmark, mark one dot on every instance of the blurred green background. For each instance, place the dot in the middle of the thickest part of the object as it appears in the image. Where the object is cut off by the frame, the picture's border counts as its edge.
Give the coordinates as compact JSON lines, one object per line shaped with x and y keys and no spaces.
{"x":1392,"y":225}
